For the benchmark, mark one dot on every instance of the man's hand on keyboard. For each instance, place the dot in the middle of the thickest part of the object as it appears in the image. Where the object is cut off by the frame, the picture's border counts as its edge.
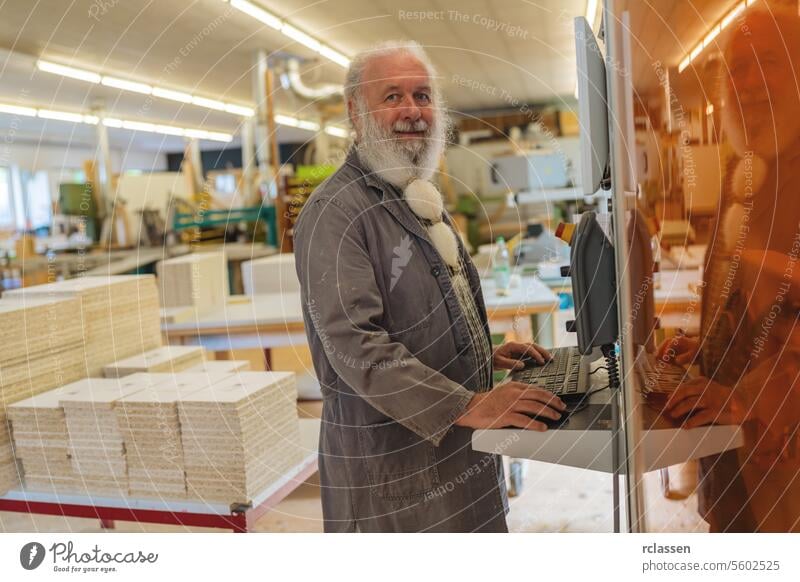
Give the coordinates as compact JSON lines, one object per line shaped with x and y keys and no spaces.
{"x":511,"y":405}
{"x":679,"y":350}
{"x":516,"y":355}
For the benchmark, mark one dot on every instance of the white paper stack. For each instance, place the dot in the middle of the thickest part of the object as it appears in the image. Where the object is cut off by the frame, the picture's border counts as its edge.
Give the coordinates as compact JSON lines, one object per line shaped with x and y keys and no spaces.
{"x":240,"y":436}
{"x":118,"y":315}
{"x":41,"y":441}
{"x":198,"y":280}
{"x":41,"y":347}
{"x":96,"y":445}
{"x":151,"y":431}
{"x":274,"y":274}
{"x":163,"y":359}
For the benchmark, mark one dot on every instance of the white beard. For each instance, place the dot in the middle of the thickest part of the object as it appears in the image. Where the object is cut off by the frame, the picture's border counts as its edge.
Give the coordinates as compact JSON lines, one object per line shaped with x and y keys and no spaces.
{"x":396,"y":161}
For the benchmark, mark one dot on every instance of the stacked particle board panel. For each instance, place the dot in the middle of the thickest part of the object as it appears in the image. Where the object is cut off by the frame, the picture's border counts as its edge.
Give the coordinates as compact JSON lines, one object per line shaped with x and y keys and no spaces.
{"x":40,"y":347}
{"x":230,"y":366}
{"x":163,"y":359}
{"x":150,"y":428}
{"x":96,"y":446}
{"x":198,"y":280}
{"x":41,"y":441}
{"x":275,"y":274}
{"x":240,"y":436}
{"x":119,"y":315}
{"x":9,"y":471}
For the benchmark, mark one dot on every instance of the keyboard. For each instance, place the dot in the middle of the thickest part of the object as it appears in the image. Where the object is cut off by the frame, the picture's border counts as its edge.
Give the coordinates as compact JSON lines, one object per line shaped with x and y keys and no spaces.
{"x":563,"y":375}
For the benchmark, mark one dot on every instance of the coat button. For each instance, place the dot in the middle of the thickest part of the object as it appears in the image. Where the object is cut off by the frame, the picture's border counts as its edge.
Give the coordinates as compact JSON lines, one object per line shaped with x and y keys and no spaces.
{"x":436,"y":271}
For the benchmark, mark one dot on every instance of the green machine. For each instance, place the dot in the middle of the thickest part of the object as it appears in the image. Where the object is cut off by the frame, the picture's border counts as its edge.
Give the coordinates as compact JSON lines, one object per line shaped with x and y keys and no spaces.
{"x":77,"y":201}
{"x":216,"y":218}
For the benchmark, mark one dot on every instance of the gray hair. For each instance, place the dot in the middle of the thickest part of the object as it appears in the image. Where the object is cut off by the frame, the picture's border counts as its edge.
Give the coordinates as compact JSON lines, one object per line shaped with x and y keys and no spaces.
{"x":355,"y":73}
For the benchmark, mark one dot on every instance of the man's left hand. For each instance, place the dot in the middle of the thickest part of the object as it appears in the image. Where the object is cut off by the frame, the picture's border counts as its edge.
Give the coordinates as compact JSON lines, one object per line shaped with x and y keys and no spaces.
{"x":706,"y":402}
{"x":514,"y":355}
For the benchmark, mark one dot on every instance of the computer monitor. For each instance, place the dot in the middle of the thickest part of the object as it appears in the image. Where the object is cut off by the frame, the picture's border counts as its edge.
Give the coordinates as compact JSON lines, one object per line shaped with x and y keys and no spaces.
{"x":594,"y":289}
{"x":592,"y":108}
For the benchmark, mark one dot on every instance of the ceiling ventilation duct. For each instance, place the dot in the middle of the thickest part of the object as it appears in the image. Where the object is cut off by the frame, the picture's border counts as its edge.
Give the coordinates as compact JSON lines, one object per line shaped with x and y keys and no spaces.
{"x":320,"y":92}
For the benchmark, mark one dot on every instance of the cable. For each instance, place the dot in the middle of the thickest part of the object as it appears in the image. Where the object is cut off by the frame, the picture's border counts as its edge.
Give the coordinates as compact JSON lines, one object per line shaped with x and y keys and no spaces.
{"x":611,"y":362}
{"x":597,"y":370}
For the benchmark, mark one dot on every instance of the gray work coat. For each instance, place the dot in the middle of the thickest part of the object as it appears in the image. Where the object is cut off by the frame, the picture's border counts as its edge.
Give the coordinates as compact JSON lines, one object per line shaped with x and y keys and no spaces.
{"x":393,"y":357}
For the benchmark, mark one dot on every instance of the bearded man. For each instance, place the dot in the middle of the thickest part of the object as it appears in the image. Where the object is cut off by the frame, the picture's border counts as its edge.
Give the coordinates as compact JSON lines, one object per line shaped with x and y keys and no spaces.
{"x":749,"y":345}
{"x":397,"y":325}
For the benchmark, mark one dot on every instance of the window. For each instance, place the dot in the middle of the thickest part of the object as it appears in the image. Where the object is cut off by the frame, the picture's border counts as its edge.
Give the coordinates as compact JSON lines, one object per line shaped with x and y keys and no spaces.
{"x":6,"y":201}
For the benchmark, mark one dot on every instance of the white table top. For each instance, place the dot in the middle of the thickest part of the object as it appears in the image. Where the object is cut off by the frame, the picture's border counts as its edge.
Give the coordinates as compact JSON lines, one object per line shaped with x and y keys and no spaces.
{"x":270,"y":309}
{"x":277,"y":309}
{"x":678,"y":286}
{"x":530,"y":293}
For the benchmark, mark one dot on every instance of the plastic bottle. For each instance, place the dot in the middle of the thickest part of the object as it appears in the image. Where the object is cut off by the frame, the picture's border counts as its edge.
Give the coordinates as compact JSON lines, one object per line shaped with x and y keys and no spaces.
{"x":501,"y":267}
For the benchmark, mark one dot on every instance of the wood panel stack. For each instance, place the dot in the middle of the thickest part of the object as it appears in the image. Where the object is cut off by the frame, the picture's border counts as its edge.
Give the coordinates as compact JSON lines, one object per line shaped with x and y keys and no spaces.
{"x":240,"y":436}
{"x":42,"y":347}
{"x":275,"y":274}
{"x":118,"y":315}
{"x":151,"y":431}
{"x":163,"y":359}
{"x":41,"y":441}
{"x":211,"y":366}
{"x":198,"y":280}
{"x":96,"y":445}
{"x":9,"y":471}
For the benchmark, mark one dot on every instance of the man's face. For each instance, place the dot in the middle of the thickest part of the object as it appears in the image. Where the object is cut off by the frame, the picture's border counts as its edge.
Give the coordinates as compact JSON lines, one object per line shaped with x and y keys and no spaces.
{"x":760,"y":90}
{"x":401,"y":132}
{"x":397,"y":93}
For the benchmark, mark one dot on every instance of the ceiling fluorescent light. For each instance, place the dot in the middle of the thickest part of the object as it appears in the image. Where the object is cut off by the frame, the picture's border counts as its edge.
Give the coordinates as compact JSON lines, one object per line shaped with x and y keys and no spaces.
{"x":309,"y":125}
{"x":258,"y":13}
{"x":219,"y":136}
{"x":197,"y":133}
{"x":172,"y":95}
{"x":713,"y":33}
{"x":239,"y":110}
{"x":210,"y":103}
{"x":307,"y":40}
{"x":65,"y":71}
{"x":737,"y":10}
{"x":290,"y":121}
{"x":60,"y":115}
{"x":127,"y":85}
{"x":138,"y":126}
{"x":169,"y":130}
{"x":286,"y":120}
{"x":334,"y":56}
{"x":119,"y":123}
{"x":300,"y":36}
{"x":337,"y":131}
{"x":17,"y":110}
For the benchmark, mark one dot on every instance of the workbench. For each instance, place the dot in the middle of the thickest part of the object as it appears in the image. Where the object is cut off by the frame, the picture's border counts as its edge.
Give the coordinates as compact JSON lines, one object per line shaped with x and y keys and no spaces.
{"x":276,"y":319}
